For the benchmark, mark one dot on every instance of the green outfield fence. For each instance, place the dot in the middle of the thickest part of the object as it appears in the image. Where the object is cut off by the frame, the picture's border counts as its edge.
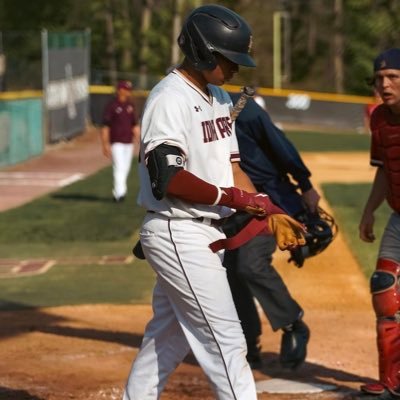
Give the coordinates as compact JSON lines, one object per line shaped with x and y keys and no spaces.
{"x":23,"y":132}
{"x":21,"y":128}
{"x":293,"y":109}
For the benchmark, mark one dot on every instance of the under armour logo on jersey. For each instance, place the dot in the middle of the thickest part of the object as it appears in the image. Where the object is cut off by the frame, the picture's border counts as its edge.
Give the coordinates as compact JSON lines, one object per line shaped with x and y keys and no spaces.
{"x":197,"y":108}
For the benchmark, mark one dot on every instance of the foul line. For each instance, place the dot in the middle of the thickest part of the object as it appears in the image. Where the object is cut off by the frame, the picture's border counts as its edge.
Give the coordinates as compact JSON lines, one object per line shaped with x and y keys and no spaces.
{"x":47,"y":179}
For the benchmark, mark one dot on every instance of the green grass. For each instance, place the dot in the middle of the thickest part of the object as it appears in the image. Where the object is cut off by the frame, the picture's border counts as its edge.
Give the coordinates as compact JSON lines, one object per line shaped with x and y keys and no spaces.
{"x":316,"y":141}
{"x":347,"y":202}
{"x":78,"y":220}
{"x":79,"y":284}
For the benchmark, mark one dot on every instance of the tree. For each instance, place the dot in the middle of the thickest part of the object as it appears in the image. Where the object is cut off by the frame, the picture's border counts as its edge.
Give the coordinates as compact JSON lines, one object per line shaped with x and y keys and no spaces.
{"x":110,"y":47}
{"x":333,"y":42}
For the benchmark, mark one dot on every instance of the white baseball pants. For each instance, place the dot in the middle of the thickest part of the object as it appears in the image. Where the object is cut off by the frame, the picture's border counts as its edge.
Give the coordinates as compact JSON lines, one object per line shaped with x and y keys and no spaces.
{"x":121,"y":154}
{"x":193,"y":309}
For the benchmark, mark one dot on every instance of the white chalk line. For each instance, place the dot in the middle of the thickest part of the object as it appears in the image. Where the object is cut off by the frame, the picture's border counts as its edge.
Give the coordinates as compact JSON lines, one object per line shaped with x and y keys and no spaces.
{"x":45,"y":179}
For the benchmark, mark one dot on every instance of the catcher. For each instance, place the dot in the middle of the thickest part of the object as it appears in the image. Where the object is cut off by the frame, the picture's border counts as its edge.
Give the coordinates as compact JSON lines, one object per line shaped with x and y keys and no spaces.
{"x":268,"y":158}
{"x":385,"y":140}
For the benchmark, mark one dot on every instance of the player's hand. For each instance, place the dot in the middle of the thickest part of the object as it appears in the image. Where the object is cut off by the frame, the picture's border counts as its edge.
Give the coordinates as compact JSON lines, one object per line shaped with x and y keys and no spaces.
{"x":311,"y":199}
{"x":258,"y":204}
{"x":366,"y":228}
{"x":288,"y":232}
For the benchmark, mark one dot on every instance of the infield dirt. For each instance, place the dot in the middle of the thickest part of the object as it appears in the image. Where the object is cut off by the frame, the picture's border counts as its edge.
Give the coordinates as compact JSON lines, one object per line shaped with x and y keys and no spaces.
{"x":85,"y":352}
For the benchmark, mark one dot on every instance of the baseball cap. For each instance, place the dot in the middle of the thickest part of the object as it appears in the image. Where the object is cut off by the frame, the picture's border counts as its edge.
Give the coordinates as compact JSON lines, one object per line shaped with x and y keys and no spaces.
{"x":124,"y":85}
{"x":389,"y":59}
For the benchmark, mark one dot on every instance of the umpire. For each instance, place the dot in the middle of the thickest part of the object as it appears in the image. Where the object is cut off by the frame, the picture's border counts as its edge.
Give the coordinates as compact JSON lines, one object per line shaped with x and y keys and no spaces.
{"x":270,"y":160}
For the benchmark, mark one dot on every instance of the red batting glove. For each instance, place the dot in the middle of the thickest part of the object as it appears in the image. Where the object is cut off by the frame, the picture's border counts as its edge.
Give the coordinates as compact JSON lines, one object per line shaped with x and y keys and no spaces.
{"x":254,"y":203}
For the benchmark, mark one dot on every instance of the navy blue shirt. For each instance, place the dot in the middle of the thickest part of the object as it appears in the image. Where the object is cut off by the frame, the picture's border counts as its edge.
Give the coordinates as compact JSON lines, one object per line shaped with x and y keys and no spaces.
{"x":267,"y":156}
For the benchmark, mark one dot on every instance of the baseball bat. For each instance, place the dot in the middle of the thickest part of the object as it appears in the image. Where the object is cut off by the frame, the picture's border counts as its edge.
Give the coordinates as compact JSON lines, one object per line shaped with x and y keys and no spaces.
{"x":247,"y":93}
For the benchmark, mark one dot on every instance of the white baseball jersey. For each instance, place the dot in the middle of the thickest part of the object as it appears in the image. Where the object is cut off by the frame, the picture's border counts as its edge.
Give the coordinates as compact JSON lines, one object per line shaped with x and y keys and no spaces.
{"x":180,"y":114}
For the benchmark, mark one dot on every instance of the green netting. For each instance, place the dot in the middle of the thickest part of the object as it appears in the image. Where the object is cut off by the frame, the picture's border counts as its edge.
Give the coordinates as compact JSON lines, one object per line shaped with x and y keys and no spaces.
{"x":61,"y":40}
{"x":21,"y":134}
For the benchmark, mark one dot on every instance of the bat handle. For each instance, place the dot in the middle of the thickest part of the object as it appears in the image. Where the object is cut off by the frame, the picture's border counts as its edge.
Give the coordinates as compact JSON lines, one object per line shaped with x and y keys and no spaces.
{"x":247,"y":93}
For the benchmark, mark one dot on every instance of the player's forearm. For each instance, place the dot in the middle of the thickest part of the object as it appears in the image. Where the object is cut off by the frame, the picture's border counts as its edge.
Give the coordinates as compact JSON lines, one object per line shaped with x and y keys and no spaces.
{"x":136,"y":132}
{"x":378,"y":192}
{"x":242,"y":180}
{"x":105,"y":135}
{"x":188,"y":187}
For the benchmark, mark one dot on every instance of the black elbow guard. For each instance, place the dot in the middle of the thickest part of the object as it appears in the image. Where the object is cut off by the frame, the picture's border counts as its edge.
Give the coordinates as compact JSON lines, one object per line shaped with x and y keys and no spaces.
{"x":163,"y":163}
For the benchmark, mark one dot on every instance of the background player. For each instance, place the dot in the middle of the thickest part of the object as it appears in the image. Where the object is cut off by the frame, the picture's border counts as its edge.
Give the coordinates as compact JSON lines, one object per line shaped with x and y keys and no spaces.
{"x":188,"y":166}
{"x":269,"y":159}
{"x":120,"y":130}
{"x":385,"y":142}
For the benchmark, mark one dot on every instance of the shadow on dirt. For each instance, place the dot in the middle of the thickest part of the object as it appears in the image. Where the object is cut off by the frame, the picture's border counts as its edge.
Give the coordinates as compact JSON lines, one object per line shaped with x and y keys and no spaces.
{"x":308,"y":372}
{"x":124,"y":338}
{"x":15,"y":394}
{"x":272,"y":367}
{"x":20,"y":320}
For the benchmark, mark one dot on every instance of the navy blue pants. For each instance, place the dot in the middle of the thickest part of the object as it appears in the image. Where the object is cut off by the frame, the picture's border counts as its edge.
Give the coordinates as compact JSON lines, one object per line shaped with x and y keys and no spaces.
{"x":251,"y":274}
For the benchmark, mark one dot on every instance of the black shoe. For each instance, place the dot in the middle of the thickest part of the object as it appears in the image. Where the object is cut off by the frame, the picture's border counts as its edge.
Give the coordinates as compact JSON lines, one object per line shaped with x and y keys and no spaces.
{"x":119,"y":199}
{"x":294,"y":345}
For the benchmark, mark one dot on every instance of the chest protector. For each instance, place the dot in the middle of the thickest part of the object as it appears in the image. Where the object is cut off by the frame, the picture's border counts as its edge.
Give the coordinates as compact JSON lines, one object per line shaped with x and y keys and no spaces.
{"x":388,"y":136}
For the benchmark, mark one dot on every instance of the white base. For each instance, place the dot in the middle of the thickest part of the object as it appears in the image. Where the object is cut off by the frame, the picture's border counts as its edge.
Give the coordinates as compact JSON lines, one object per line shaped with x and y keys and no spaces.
{"x":288,"y":386}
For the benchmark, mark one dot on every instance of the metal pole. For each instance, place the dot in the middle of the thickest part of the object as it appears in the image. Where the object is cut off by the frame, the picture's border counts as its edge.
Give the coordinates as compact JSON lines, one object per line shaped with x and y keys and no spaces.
{"x":287,"y":67}
{"x":2,"y":64}
{"x":45,"y":83}
{"x":277,"y":78}
{"x":176,"y":26}
{"x":87,"y":35}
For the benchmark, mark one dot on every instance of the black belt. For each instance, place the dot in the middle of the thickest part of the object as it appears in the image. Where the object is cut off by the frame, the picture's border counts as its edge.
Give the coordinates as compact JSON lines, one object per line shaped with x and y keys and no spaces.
{"x":203,"y":220}
{"x":210,"y":221}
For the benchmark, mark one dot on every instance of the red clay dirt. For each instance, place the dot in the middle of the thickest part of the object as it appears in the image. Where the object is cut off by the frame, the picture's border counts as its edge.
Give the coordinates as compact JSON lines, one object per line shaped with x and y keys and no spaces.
{"x":85,"y":352}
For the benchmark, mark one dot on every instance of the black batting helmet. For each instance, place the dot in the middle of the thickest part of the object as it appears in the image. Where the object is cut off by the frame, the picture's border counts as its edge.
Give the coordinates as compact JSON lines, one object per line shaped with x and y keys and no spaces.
{"x":321,"y":230}
{"x":215,"y":29}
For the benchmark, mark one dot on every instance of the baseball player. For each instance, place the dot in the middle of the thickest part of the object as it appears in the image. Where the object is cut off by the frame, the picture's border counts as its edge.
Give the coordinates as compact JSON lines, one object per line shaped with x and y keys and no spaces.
{"x":189,"y":166}
{"x":385,"y":155}
{"x":120,"y":128}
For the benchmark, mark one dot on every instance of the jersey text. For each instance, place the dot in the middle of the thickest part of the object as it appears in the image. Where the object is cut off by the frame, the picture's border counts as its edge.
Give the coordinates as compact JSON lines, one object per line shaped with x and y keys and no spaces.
{"x":222,"y":124}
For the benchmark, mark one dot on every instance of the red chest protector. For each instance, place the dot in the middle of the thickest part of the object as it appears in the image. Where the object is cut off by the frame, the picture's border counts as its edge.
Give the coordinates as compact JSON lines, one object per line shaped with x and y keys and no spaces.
{"x":387,"y":144}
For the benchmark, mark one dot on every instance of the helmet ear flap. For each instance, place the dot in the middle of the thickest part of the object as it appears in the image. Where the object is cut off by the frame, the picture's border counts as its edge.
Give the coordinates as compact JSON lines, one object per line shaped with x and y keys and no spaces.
{"x":203,"y":58}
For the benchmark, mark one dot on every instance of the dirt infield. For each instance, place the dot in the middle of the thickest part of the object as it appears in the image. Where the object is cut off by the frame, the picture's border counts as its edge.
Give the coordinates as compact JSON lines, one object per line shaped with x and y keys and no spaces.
{"x":85,"y":352}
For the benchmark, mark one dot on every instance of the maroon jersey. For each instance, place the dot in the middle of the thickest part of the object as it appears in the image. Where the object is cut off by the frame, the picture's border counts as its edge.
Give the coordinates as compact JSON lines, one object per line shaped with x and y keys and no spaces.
{"x":385,"y":150}
{"x":120,"y":118}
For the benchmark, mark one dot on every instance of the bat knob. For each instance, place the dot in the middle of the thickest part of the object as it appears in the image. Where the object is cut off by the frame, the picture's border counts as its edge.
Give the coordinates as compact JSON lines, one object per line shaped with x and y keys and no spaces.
{"x":249,"y":91}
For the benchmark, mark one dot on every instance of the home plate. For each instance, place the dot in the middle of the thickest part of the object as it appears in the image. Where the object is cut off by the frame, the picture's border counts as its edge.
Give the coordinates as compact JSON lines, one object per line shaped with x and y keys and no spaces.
{"x":286,"y":386}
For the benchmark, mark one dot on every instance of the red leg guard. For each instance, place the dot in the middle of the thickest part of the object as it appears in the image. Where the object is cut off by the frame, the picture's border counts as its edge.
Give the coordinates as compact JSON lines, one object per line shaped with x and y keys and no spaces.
{"x":388,"y":341}
{"x":386,"y":301}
